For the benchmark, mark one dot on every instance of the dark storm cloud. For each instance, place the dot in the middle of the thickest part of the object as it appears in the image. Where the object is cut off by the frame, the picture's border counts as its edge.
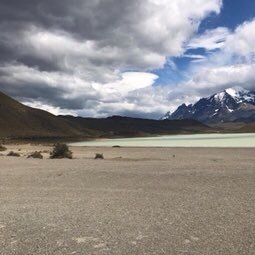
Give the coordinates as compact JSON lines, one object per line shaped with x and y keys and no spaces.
{"x":83,"y":18}
{"x":31,"y":85}
{"x":138,"y":26}
{"x":109,"y":25}
{"x":47,"y":95}
{"x":62,"y":53}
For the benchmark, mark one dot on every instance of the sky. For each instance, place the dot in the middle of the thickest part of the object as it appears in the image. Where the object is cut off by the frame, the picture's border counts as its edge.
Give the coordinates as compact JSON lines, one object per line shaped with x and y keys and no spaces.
{"x":99,"y":58}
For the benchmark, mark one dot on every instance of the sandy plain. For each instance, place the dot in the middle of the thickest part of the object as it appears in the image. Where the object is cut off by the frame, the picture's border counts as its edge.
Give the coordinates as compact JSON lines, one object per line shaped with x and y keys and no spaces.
{"x":198,"y":201}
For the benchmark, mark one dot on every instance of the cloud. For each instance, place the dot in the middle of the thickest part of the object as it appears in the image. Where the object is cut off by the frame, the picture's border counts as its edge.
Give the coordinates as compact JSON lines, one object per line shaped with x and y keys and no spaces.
{"x":117,"y":34}
{"x":216,"y":79}
{"x":233,"y":62}
{"x":210,"y":40}
{"x":242,"y":41}
{"x":93,"y":57}
{"x":229,"y":62}
{"x":55,"y":91}
{"x":89,"y":58}
{"x":54,"y":88}
{"x":130,"y":81}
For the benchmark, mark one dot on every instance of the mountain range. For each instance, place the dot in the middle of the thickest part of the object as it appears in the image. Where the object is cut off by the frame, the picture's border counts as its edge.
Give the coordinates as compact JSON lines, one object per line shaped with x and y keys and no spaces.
{"x":234,"y":104}
{"x":18,"y":121}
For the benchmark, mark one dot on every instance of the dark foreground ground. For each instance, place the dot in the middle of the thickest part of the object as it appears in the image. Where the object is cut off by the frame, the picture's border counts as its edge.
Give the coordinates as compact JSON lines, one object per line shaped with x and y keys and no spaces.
{"x":200,"y":202}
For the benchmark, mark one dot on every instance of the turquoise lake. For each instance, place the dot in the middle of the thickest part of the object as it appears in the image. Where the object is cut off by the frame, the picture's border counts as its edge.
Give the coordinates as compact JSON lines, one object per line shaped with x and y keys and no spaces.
{"x":198,"y":140}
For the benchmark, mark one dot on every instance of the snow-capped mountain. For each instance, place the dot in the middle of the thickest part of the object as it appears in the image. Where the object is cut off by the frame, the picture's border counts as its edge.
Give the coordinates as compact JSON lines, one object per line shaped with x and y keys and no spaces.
{"x":231,"y":105}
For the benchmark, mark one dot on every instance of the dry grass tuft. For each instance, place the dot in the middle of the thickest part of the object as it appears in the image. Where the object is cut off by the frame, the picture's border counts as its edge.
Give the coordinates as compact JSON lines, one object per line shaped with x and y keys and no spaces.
{"x":13,"y":154}
{"x":99,"y":156}
{"x":2,"y":148}
{"x":36,"y":154}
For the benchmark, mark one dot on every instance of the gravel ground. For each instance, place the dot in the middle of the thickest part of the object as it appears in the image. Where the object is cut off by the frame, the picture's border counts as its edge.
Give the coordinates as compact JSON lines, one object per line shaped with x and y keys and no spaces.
{"x":136,"y":201}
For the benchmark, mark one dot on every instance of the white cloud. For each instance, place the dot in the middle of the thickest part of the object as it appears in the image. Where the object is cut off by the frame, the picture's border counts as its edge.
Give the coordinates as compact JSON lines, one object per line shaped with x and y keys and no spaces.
{"x":219,"y":78}
{"x":242,"y":41}
{"x":232,"y":64}
{"x":194,"y":56}
{"x":130,"y":81}
{"x":49,"y":108}
{"x":211,"y":39}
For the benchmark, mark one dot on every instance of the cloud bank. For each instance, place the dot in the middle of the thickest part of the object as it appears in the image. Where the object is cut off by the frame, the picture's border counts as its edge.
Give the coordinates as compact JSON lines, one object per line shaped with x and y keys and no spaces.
{"x":95,"y":58}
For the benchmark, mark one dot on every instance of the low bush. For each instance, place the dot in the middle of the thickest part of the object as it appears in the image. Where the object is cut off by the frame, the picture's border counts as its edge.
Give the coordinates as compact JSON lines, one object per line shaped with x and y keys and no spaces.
{"x":115,"y":146}
{"x":99,"y":156}
{"x":13,"y":154}
{"x":2,"y":148}
{"x":61,"y":150}
{"x":36,"y":154}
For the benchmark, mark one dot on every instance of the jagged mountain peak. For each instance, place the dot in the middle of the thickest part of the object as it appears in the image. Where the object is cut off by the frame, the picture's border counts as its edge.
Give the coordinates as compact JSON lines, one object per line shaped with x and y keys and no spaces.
{"x":234,"y":92}
{"x":219,"y":96}
{"x":227,"y":105}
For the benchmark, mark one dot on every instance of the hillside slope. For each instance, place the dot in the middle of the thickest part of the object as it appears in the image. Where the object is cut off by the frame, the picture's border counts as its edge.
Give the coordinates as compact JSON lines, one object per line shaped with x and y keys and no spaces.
{"x":20,"y":121}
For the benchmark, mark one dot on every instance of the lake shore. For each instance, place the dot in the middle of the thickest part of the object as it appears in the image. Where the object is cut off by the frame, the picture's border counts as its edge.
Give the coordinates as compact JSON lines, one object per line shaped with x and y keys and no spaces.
{"x":245,"y":140}
{"x":136,"y":201}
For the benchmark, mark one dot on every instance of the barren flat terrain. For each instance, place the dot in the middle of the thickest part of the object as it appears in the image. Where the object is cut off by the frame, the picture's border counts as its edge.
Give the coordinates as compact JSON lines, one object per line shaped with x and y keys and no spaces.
{"x":135,"y":201}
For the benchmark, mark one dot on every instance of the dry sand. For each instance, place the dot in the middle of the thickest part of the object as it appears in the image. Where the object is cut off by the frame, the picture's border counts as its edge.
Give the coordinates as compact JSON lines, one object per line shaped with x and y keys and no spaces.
{"x":136,"y":201}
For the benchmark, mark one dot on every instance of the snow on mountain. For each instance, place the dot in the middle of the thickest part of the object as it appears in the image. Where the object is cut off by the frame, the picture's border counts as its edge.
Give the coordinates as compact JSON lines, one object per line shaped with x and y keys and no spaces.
{"x":229,"y":105}
{"x":166,"y":116}
{"x":219,"y":96}
{"x":241,"y":94}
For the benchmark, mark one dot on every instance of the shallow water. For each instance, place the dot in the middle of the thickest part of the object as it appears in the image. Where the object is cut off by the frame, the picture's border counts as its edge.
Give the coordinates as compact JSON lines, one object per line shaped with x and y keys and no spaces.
{"x":198,"y":140}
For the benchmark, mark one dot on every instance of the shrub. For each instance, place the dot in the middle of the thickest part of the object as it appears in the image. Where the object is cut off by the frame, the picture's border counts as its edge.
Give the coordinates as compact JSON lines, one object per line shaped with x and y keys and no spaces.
{"x":99,"y":156}
{"x":36,"y":154}
{"x":13,"y":154}
{"x":61,"y":151}
{"x":2,"y":148}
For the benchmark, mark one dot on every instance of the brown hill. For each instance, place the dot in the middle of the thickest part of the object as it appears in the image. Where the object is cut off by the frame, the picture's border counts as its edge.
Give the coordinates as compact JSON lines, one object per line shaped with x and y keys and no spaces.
{"x":247,"y":128}
{"x":20,"y":121}
{"x":118,"y":126}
